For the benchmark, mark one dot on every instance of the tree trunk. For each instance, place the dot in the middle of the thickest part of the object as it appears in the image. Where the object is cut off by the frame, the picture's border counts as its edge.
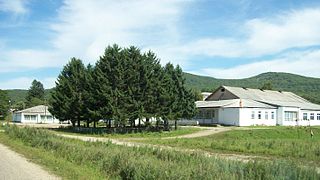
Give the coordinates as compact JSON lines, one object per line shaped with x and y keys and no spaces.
{"x":73,"y":123}
{"x":78,"y":123}
{"x":88,"y":123}
{"x":109,"y":123}
{"x":175,"y":125}
{"x":94,"y":124}
{"x":139,"y":122}
{"x":147,"y":122}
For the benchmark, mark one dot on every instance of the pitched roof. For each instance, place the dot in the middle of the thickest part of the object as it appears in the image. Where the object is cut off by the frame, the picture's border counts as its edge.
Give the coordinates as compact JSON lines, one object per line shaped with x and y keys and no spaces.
{"x":36,"y":109}
{"x":273,"y":98}
{"x":233,"y":103}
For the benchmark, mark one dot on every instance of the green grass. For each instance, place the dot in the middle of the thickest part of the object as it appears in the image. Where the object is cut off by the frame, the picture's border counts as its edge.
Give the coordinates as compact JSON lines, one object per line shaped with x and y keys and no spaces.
{"x":287,"y":142}
{"x":53,"y":163}
{"x":180,"y":131}
{"x":121,"y":162}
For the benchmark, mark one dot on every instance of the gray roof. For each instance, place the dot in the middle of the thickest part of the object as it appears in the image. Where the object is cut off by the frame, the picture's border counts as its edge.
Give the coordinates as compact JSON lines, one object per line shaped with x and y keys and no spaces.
{"x":274,"y":98}
{"x":232,"y":103}
{"x":41,"y":109}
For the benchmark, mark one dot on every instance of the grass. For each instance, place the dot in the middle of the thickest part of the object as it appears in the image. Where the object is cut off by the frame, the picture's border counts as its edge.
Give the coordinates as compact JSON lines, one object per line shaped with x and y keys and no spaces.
{"x":54,"y":164}
{"x":121,"y":162}
{"x":287,"y":142}
{"x":180,"y":131}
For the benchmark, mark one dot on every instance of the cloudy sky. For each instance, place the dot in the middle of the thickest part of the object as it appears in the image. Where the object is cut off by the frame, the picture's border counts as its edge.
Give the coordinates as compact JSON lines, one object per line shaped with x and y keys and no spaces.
{"x":218,"y":38}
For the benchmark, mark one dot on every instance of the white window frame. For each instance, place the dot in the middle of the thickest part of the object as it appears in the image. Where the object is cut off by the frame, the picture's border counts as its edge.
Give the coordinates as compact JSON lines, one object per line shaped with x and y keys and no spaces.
{"x":311,"y":116}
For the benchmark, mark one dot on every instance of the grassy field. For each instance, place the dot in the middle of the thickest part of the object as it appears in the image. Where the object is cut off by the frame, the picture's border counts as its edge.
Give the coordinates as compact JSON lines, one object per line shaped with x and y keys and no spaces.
{"x":120,"y":162}
{"x":287,"y":142}
{"x":180,"y":131}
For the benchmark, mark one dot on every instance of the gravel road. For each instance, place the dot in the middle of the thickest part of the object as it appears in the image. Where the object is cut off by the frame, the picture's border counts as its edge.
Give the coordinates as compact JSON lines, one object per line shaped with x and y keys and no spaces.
{"x":14,"y":166}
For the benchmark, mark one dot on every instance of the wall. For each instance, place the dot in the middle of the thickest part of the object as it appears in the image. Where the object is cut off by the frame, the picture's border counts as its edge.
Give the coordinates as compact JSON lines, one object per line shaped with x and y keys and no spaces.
{"x":219,"y":95}
{"x":228,"y":116}
{"x":246,"y":120}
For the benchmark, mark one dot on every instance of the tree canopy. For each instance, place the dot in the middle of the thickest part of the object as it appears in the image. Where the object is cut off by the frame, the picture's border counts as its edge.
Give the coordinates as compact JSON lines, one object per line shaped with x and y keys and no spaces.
{"x":124,"y":85}
{"x":35,"y":95}
{"x":4,"y":104}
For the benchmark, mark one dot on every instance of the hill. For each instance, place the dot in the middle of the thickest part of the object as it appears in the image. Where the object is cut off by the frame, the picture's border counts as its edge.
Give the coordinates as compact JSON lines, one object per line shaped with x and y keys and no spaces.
{"x":17,"y":95}
{"x":306,"y":87}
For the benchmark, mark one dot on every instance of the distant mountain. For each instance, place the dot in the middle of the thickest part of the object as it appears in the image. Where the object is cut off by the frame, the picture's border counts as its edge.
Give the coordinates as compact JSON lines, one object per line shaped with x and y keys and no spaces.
{"x":17,"y":95}
{"x":306,"y":87}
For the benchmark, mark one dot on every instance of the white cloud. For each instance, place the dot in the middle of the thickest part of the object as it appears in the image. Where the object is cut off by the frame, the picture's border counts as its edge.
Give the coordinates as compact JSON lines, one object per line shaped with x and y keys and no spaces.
{"x":304,"y":63}
{"x":17,"y":7}
{"x":25,"y":82}
{"x":261,"y":37}
{"x":84,"y":28}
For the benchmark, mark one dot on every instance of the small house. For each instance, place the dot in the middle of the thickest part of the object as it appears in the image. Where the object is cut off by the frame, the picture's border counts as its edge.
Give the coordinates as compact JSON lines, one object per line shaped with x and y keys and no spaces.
{"x":36,"y":114}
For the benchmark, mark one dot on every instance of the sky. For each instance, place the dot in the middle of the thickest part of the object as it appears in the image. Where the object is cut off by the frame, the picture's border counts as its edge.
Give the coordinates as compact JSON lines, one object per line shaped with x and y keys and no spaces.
{"x":229,"y":39}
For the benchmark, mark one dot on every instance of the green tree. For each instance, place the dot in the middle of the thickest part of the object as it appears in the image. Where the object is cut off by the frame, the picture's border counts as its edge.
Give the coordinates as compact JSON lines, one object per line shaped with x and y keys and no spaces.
{"x":267,"y":86}
{"x":67,"y":101}
{"x":35,"y":91}
{"x":35,"y":95}
{"x":4,"y":104}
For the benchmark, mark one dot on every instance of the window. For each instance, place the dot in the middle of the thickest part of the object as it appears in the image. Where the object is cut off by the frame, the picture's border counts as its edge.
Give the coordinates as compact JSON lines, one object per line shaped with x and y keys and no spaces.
{"x":27,"y":117}
{"x":272,"y":115}
{"x":252,"y":115}
{"x":30,"y":117}
{"x":259,"y":114}
{"x":311,"y":116}
{"x":266,"y":115}
{"x":290,"y":116}
{"x":305,"y":116}
{"x":318,"y":116}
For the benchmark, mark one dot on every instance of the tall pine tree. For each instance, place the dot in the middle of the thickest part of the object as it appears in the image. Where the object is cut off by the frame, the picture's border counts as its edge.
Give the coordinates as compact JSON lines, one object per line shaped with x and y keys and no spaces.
{"x":67,"y":102}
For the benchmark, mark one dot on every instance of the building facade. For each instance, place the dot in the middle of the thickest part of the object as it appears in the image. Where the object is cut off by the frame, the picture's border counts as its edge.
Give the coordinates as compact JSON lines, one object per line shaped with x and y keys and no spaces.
{"x":37,"y":114}
{"x":246,"y":107}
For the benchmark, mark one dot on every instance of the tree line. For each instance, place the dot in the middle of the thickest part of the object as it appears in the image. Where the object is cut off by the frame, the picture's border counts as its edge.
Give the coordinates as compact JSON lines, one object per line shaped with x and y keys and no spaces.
{"x":123,"y":86}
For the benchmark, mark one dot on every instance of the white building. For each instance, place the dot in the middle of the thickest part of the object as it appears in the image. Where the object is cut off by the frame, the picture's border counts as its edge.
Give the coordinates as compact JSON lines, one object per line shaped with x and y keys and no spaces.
{"x":245,"y":107}
{"x":37,"y":114}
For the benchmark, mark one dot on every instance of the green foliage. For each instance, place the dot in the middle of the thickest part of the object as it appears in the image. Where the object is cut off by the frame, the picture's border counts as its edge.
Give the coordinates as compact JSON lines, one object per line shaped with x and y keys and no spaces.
{"x":4,"y":104}
{"x":121,"y":162}
{"x":101,"y":132}
{"x":287,"y":142}
{"x":306,"y":87}
{"x":267,"y":86}
{"x":67,"y":100}
{"x":35,"y":91}
{"x":124,"y":85}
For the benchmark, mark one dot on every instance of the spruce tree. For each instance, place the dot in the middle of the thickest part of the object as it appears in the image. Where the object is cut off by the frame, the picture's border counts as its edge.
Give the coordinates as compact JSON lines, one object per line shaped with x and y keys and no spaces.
{"x":35,"y":95}
{"x":67,"y":102}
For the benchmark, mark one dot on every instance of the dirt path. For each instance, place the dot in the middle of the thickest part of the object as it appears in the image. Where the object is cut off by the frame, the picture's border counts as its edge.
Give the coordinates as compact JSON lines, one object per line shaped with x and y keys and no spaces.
{"x":206,"y":132}
{"x":14,"y":166}
{"x":210,"y":131}
{"x":122,"y":142}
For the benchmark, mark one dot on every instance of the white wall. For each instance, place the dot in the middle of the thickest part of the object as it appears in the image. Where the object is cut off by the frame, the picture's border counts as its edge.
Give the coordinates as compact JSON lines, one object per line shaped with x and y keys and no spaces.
{"x":19,"y":117}
{"x":246,"y":119}
{"x":314,"y":122}
{"x":228,"y":116}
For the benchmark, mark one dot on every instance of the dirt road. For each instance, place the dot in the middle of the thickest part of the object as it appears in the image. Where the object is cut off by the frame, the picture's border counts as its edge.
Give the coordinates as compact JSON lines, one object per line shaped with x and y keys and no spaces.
{"x":14,"y":166}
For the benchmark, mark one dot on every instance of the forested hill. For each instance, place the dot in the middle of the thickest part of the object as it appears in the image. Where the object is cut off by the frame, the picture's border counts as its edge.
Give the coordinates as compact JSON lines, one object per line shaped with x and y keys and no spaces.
{"x":306,"y":87}
{"x":17,"y":95}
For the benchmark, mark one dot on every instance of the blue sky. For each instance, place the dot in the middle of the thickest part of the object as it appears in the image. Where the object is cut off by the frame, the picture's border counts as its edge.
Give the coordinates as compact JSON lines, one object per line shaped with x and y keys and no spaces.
{"x":222,"y":39}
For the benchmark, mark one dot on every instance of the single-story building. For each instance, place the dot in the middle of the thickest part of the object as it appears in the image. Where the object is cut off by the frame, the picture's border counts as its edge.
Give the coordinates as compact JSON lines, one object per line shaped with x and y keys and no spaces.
{"x":245,"y":107}
{"x":36,"y":114}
